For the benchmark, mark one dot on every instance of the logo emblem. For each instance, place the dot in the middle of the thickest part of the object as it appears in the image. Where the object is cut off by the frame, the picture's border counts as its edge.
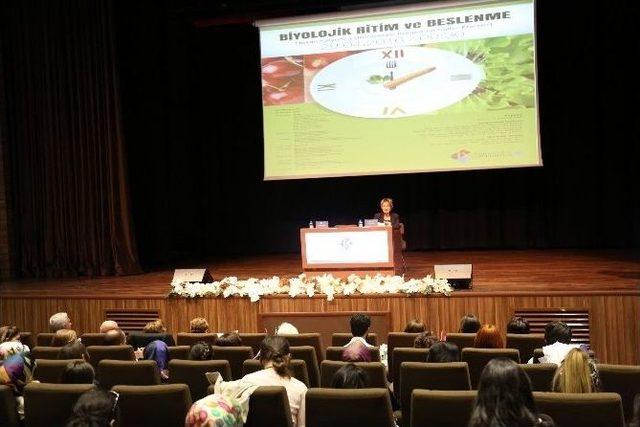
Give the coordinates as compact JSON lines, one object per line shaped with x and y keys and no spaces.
{"x":346,"y":243}
{"x":462,"y":156}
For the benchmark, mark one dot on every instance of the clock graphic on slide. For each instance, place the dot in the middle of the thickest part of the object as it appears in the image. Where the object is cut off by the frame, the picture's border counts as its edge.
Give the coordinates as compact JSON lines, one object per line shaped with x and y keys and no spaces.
{"x":395,"y":83}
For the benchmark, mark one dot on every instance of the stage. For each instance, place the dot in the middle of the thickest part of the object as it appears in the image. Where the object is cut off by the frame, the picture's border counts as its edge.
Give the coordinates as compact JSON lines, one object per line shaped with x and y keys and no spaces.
{"x":606,"y":283}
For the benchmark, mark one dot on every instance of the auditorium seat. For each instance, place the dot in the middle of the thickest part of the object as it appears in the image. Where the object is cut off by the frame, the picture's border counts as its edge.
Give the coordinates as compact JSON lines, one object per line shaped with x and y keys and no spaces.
{"x":298,"y":369}
{"x":272,"y":401}
{"x":179,"y":352}
{"x":236,"y":355}
{"x":127,"y":372}
{"x":621,"y":379}
{"x":335,"y":353}
{"x":192,"y":373}
{"x":42,"y":352}
{"x":441,"y":408}
{"x":28,"y":339}
{"x":187,"y":338}
{"x":142,"y":339}
{"x":431,"y":376}
{"x":328,"y":407}
{"x":253,"y":340}
{"x":50,"y":371}
{"x":538,"y":353}
{"x":581,"y":409}
{"x":375,"y":372}
{"x":405,"y":354}
{"x":8,"y":408}
{"x":153,"y":405}
{"x":109,"y":352}
{"x":49,"y":405}
{"x":45,"y":339}
{"x":461,"y":340}
{"x":308,"y":354}
{"x":341,"y":339}
{"x":540,"y":374}
{"x":397,"y":340}
{"x":525,"y":343}
{"x":312,"y":339}
{"x":93,"y":339}
{"x":477,"y":358}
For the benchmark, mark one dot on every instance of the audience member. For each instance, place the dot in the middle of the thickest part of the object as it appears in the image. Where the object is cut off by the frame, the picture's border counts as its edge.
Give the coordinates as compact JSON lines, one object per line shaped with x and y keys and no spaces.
{"x":78,"y":372}
{"x":576,"y":374}
{"x":108,"y":325}
{"x":16,"y":373}
{"x":199,"y":325}
{"x":469,"y":324}
{"x":350,"y":376}
{"x":518,"y":325}
{"x":425,"y":340}
{"x":286,"y":328}
{"x":415,"y":326}
{"x":505,"y":398}
{"x":229,"y":339}
{"x":360,"y":324}
{"x":95,"y":408}
{"x":59,"y":321}
{"x":557,"y":337}
{"x":152,"y":331}
{"x":356,"y":352}
{"x":488,"y":337}
{"x":443,"y":352}
{"x":157,"y":350}
{"x":115,"y":337}
{"x":64,"y":337}
{"x":201,"y":351}
{"x":74,"y":350}
{"x":10,"y":342}
{"x":155,"y":327}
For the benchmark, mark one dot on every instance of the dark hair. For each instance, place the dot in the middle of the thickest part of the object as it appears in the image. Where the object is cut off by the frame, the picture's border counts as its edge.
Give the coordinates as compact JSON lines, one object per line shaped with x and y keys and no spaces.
{"x":74,"y":350}
{"x":469,"y":324}
{"x":350,"y":376}
{"x":201,"y":351}
{"x":229,"y":339}
{"x":360,"y":324}
{"x":414,"y":326}
{"x":504,"y":397}
{"x":557,"y":331}
{"x":94,"y":408}
{"x":518,"y":325}
{"x":9,"y":332}
{"x":443,"y":352}
{"x":275,"y":349}
{"x":78,"y":372}
{"x":425,"y":340}
{"x":115,"y":337}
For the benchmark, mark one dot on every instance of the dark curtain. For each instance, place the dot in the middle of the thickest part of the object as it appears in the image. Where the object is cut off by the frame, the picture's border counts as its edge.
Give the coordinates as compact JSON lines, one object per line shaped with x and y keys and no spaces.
{"x":71,"y":212}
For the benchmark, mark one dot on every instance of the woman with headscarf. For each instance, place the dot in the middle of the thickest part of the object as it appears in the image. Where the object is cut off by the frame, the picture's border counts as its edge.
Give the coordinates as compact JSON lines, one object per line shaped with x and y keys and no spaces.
{"x":15,"y":372}
{"x":157,"y":350}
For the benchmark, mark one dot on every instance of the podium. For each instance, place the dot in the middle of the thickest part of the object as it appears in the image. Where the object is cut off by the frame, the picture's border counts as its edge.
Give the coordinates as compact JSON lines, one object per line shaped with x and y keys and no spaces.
{"x":342,"y":251}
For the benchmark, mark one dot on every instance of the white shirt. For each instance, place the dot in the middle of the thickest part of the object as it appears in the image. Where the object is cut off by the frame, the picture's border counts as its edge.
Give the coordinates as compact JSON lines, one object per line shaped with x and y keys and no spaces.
{"x":296,"y":391}
{"x":555,"y":353}
{"x":360,"y":339}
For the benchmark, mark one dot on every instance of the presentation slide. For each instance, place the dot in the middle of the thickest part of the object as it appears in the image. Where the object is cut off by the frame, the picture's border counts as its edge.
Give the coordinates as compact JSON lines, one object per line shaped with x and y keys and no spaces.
{"x":402,"y":90}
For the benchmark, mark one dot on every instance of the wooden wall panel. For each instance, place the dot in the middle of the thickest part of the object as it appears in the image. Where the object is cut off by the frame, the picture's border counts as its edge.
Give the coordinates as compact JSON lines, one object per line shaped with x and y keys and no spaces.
{"x":615,"y":330}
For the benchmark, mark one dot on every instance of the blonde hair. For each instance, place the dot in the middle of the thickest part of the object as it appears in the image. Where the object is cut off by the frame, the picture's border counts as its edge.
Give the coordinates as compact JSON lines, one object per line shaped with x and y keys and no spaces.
{"x":574,"y":374}
{"x":64,"y":337}
{"x":286,"y":328}
{"x":387,"y":200}
{"x":155,"y":327}
{"x":199,"y":325}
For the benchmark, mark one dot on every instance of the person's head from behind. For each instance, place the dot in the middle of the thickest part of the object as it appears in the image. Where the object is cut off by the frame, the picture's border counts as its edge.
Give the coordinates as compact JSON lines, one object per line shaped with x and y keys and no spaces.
{"x":108,"y":325}
{"x":74,"y":350}
{"x":574,"y":374}
{"x":9,"y":333}
{"x":201,"y":351}
{"x":64,"y":337}
{"x":95,"y":408}
{"x":504,"y":397}
{"x":386,"y":205}
{"x":414,"y":326}
{"x":78,"y":372}
{"x":488,"y":337}
{"x":229,"y":339}
{"x":518,"y":325}
{"x":350,"y":376}
{"x":274,"y":353}
{"x":557,"y":331}
{"x":356,"y":352}
{"x":425,"y":340}
{"x":59,"y":321}
{"x":115,"y":337}
{"x":199,"y":325}
{"x":443,"y":352}
{"x":469,"y":324}
{"x":286,"y":328}
{"x":360,"y":324}
{"x":155,"y":327}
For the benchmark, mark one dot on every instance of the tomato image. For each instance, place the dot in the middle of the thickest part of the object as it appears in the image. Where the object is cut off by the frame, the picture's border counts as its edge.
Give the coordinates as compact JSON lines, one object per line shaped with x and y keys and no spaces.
{"x":282,"y":81}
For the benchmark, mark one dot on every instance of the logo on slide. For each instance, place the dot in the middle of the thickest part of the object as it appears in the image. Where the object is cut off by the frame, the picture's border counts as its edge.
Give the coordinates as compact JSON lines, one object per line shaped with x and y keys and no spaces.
{"x":346,"y":244}
{"x":462,"y":156}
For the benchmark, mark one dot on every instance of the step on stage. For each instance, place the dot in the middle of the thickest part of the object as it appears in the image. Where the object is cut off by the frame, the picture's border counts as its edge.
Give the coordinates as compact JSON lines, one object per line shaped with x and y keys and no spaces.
{"x":605,"y":283}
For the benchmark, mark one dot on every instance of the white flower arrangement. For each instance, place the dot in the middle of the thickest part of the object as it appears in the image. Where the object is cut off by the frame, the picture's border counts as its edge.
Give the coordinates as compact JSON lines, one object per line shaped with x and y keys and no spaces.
{"x":326,"y":285}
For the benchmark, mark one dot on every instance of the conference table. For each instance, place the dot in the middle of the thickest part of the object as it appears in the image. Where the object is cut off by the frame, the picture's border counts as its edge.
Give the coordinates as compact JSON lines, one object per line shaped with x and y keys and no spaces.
{"x":345,"y":250}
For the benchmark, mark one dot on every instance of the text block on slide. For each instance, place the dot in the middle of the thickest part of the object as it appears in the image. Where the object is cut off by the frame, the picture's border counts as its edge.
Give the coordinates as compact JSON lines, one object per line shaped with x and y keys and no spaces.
{"x":347,"y":247}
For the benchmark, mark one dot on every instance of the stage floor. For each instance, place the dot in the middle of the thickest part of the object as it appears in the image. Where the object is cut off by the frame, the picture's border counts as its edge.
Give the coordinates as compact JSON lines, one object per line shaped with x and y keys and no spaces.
{"x":493,"y":271}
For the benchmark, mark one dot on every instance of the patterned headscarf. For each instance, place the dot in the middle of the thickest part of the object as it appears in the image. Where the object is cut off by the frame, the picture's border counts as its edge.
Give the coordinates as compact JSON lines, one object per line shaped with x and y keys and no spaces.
{"x":15,"y":371}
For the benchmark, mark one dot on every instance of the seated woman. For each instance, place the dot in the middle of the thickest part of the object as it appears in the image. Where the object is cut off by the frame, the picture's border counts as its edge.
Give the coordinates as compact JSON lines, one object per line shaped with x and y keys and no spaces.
{"x":229,"y":339}
{"x":350,"y":376}
{"x":469,"y":324}
{"x":199,"y":325}
{"x":157,"y":350}
{"x":488,"y":337}
{"x":577,"y":373}
{"x":78,"y":372}
{"x":16,"y":372}
{"x":152,"y":331}
{"x":415,"y":326}
{"x":201,"y":351}
{"x":425,"y":340}
{"x":74,"y":350}
{"x":10,"y":342}
{"x":386,"y":216}
{"x":443,"y":352}
{"x":96,"y":408}
{"x":64,"y":337}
